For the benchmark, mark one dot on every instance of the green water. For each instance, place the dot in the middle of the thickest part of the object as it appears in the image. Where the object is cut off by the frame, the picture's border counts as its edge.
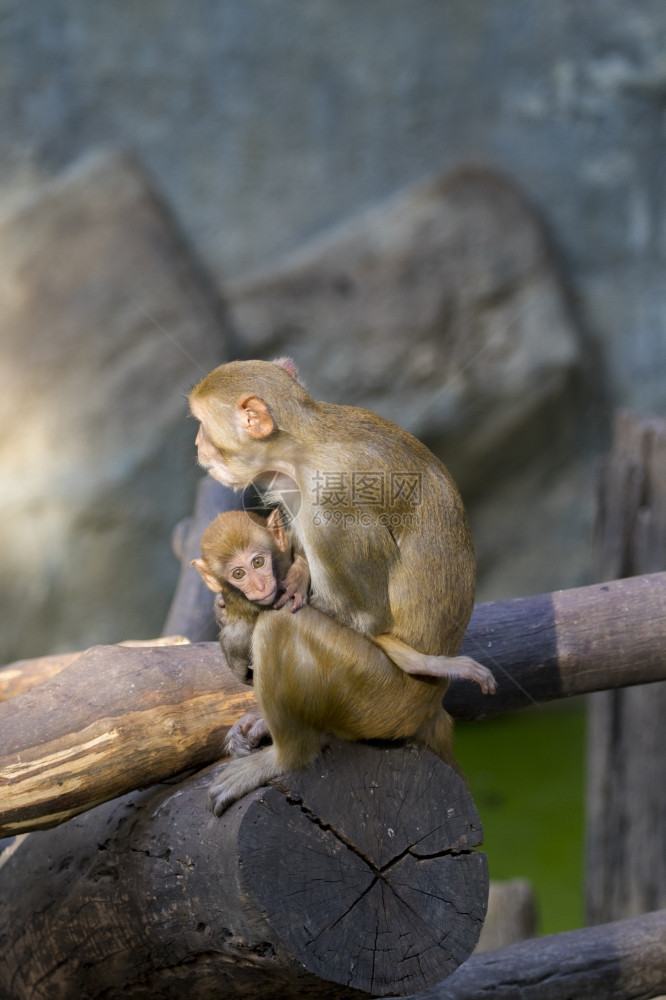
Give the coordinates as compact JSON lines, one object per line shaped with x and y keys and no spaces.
{"x":526,"y":775}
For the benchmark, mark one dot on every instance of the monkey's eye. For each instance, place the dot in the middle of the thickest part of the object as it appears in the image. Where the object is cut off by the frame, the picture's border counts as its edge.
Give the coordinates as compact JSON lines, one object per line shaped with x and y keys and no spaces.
{"x":238,"y":573}
{"x":259,"y":561}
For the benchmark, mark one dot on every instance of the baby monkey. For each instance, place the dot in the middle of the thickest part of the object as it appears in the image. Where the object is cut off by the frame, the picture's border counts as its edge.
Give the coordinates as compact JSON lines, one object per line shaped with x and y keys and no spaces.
{"x":311,"y":674}
{"x":241,"y":551}
{"x":254,"y":555}
{"x":250,"y":563}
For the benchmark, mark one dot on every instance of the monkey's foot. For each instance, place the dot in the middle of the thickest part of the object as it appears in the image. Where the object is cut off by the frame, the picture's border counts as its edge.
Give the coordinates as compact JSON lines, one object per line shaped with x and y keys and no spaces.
{"x":222,"y":793}
{"x":424,"y":665}
{"x":248,"y":735}
{"x":468,"y":669}
{"x":239,"y":777}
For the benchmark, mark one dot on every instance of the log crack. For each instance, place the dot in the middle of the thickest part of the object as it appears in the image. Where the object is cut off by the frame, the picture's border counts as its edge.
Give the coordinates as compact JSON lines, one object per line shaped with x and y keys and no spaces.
{"x":379,"y":871}
{"x":296,"y":800}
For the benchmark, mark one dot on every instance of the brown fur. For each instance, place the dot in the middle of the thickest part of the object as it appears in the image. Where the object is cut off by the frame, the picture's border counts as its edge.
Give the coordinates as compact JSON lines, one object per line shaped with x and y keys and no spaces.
{"x":233,"y":531}
{"x":406,"y":586}
{"x":232,"y":534}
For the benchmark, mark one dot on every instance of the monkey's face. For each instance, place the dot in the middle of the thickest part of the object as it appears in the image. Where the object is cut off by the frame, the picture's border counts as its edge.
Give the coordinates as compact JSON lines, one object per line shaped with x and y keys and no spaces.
{"x":229,"y":442}
{"x":251,"y":572}
{"x":215,"y":461}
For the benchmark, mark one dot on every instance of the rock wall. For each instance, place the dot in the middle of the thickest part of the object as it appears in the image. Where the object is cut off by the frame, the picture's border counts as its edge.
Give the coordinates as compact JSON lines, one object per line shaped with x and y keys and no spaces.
{"x":441,"y":309}
{"x":106,"y":322}
{"x":501,"y":313}
{"x":265,"y":123}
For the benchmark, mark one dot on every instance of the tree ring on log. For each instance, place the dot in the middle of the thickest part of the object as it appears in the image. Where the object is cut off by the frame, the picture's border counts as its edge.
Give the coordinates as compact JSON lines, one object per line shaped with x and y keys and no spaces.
{"x":366,"y":864}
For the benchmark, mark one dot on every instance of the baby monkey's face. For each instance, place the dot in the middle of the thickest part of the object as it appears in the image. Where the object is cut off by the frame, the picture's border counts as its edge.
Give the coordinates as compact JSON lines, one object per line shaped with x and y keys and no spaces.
{"x":251,"y":571}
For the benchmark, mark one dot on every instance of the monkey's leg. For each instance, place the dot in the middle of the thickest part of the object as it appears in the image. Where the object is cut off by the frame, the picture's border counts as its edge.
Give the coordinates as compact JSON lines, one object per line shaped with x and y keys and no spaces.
{"x":295,"y":751}
{"x":437,"y":734}
{"x":421,"y":664}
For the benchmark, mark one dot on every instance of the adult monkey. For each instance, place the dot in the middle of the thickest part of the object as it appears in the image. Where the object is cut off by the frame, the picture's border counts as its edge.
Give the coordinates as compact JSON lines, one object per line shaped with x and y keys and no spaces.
{"x":381,"y":523}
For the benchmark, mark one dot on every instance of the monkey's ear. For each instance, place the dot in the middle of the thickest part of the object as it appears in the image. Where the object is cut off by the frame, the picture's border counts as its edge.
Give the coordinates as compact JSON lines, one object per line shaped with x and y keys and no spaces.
{"x":254,"y":417}
{"x":288,"y":366}
{"x":211,"y":581}
{"x":274,"y":524}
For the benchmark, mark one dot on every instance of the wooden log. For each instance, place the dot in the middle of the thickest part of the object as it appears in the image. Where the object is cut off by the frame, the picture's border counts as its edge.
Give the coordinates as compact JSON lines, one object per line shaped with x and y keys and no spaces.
{"x":566,"y":643}
{"x":191,"y":612}
{"x":117,"y":719}
{"x":23,"y":675}
{"x":625,"y":960}
{"x":626,"y":733}
{"x":360,"y":871}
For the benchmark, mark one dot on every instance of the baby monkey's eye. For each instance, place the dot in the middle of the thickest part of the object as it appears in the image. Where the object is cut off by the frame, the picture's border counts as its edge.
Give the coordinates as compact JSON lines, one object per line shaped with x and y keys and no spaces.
{"x":258,"y":561}
{"x":238,"y":573}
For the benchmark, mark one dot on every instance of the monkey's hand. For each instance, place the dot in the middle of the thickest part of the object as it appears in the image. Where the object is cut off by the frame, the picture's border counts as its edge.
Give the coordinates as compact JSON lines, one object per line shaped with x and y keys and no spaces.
{"x":220,"y":611}
{"x":296,"y":584}
{"x":248,"y":735}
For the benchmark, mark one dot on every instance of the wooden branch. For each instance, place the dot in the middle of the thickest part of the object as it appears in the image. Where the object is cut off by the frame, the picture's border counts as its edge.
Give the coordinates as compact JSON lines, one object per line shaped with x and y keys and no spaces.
{"x":23,"y":675}
{"x":122,"y":718}
{"x":116,"y":718}
{"x":570,"y":642}
{"x":625,"y":960}
{"x":359,"y":871}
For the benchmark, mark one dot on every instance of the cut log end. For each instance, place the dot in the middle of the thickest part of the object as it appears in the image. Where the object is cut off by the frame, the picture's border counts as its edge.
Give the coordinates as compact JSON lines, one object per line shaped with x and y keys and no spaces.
{"x":367,"y":864}
{"x":355,"y":877}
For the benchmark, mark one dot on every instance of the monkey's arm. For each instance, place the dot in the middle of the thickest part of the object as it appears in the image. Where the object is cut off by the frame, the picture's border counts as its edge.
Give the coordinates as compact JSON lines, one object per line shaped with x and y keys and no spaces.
{"x":250,"y":733}
{"x":236,"y":643}
{"x":296,"y":583}
{"x":420,"y":664}
{"x":220,"y":611}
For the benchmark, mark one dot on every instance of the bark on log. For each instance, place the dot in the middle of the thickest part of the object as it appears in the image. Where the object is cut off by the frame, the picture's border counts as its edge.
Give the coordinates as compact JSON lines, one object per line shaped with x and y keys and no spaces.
{"x":626,"y":791}
{"x":191,"y":612}
{"x":23,"y":675}
{"x":625,"y":960}
{"x":359,"y":871}
{"x":569,"y":642}
{"x":117,"y":719}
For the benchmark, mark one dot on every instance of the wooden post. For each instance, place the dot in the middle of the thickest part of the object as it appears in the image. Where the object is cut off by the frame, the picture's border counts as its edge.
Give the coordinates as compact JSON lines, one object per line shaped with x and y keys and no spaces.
{"x":360,"y":872}
{"x":626,"y":786}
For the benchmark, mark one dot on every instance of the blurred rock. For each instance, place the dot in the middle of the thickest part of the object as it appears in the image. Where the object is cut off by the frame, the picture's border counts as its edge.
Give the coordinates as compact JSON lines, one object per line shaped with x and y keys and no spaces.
{"x":440,"y":309}
{"x":106,"y":322}
{"x":532,"y":530}
{"x":512,"y":914}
